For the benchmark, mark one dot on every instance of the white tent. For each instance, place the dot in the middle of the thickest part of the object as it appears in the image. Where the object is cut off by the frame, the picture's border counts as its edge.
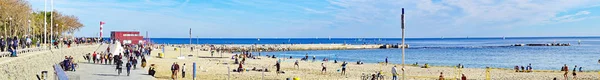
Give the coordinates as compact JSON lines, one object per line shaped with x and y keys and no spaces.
{"x":116,"y":48}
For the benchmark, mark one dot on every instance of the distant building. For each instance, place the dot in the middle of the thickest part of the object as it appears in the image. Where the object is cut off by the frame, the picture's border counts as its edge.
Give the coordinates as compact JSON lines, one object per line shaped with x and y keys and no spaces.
{"x":127,"y":37}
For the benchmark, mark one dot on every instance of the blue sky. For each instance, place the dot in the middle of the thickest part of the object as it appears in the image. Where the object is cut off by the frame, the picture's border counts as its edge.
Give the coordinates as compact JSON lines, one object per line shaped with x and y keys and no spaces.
{"x":335,"y":18}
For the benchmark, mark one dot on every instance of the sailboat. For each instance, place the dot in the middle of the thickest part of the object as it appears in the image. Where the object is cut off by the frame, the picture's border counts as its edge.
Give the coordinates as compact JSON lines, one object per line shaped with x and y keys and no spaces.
{"x":503,"y":37}
{"x":329,"y":37}
{"x":442,"y":37}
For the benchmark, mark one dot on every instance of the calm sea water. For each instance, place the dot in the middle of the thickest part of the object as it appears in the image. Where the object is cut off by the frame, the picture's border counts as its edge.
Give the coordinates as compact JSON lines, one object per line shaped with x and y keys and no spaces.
{"x":472,"y":52}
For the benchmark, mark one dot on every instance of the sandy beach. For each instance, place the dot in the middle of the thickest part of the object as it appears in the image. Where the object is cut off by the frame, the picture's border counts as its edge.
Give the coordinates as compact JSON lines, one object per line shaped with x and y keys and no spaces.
{"x":216,"y":68}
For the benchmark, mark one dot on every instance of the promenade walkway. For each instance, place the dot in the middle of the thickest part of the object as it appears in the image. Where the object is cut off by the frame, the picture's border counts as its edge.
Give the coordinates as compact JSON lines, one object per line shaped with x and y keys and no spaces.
{"x":88,"y":71}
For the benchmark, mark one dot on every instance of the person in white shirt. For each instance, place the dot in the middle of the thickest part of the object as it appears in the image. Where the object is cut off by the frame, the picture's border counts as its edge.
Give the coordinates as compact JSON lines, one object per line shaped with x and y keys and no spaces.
{"x":394,"y":73}
{"x":28,"y":42}
{"x":183,"y":71}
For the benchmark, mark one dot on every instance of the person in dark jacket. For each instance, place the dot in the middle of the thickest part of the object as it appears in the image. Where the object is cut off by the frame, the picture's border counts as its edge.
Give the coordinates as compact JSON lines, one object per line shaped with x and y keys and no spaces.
{"x":119,"y":64}
{"x":128,"y":65}
{"x":2,"y":44}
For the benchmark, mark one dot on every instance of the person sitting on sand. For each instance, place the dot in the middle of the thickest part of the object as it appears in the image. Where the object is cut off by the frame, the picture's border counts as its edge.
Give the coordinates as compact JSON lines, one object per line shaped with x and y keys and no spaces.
{"x":425,"y":66}
{"x":441,"y":76}
{"x":306,"y":56}
{"x":522,"y":69}
{"x":151,"y":70}
{"x":529,"y":69}
{"x":517,"y":69}
{"x":324,"y":69}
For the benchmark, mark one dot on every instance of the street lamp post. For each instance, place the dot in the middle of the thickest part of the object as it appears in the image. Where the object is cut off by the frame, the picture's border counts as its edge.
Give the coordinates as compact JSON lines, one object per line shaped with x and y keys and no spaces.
{"x":10,"y":23}
{"x":403,"y":46}
{"x":29,"y":25}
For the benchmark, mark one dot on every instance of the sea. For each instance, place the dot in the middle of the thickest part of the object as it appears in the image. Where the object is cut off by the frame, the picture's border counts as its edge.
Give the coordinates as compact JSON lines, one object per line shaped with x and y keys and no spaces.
{"x":495,"y":52}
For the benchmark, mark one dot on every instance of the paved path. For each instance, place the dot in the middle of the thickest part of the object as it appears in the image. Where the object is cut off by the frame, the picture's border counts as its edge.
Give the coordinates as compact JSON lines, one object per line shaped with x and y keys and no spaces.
{"x":87,"y":71}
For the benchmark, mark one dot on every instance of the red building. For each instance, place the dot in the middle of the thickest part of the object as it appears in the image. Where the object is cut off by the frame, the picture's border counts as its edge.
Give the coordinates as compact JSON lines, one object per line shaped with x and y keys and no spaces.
{"x":127,"y":37}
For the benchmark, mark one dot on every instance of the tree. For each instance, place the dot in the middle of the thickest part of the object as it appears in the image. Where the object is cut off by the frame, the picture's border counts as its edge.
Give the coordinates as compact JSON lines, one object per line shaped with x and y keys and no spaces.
{"x":20,"y":12}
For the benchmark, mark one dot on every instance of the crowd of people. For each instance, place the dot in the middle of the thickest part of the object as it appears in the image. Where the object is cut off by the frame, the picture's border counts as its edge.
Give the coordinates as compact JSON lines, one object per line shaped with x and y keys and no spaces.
{"x":524,"y":69}
{"x":14,"y":43}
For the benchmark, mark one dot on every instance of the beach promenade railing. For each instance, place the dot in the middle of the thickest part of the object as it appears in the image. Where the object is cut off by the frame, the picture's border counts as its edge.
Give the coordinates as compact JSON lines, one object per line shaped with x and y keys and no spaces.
{"x":60,"y":73}
{"x":35,"y":49}
{"x":21,"y":51}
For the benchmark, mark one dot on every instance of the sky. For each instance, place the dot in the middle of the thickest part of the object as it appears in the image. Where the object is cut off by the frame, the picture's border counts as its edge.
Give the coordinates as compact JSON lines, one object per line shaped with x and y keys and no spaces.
{"x":334,"y":18}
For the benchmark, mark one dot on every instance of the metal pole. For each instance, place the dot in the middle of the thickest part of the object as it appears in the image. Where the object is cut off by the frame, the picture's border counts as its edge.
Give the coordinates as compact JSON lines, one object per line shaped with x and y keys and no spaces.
{"x":194,"y":76}
{"x":45,"y":24}
{"x":51,"y":22}
{"x":403,"y":46}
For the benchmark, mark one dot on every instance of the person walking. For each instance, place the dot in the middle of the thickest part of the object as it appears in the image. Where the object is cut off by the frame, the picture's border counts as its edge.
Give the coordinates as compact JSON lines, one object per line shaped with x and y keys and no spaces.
{"x":183,"y":71}
{"x":119,"y":66}
{"x":566,"y":69}
{"x":394,"y":73}
{"x":465,"y":77}
{"x":344,"y":68}
{"x":143,"y":62}
{"x":574,"y":72}
{"x":94,"y":57}
{"x":324,"y":69}
{"x":134,"y":63}
{"x":128,"y":65}
{"x":296,"y":64}
{"x":386,"y":60}
{"x":174,"y":70}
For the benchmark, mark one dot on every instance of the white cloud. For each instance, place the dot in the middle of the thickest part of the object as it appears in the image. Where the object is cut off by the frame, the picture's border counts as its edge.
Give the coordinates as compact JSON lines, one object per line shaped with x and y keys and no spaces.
{"x":573,"y":17}
{"x":464,"y":12}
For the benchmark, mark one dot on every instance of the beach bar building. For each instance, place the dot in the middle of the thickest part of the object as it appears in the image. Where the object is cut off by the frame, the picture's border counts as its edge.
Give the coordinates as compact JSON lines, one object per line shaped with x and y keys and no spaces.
{"x":127,"y":37}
